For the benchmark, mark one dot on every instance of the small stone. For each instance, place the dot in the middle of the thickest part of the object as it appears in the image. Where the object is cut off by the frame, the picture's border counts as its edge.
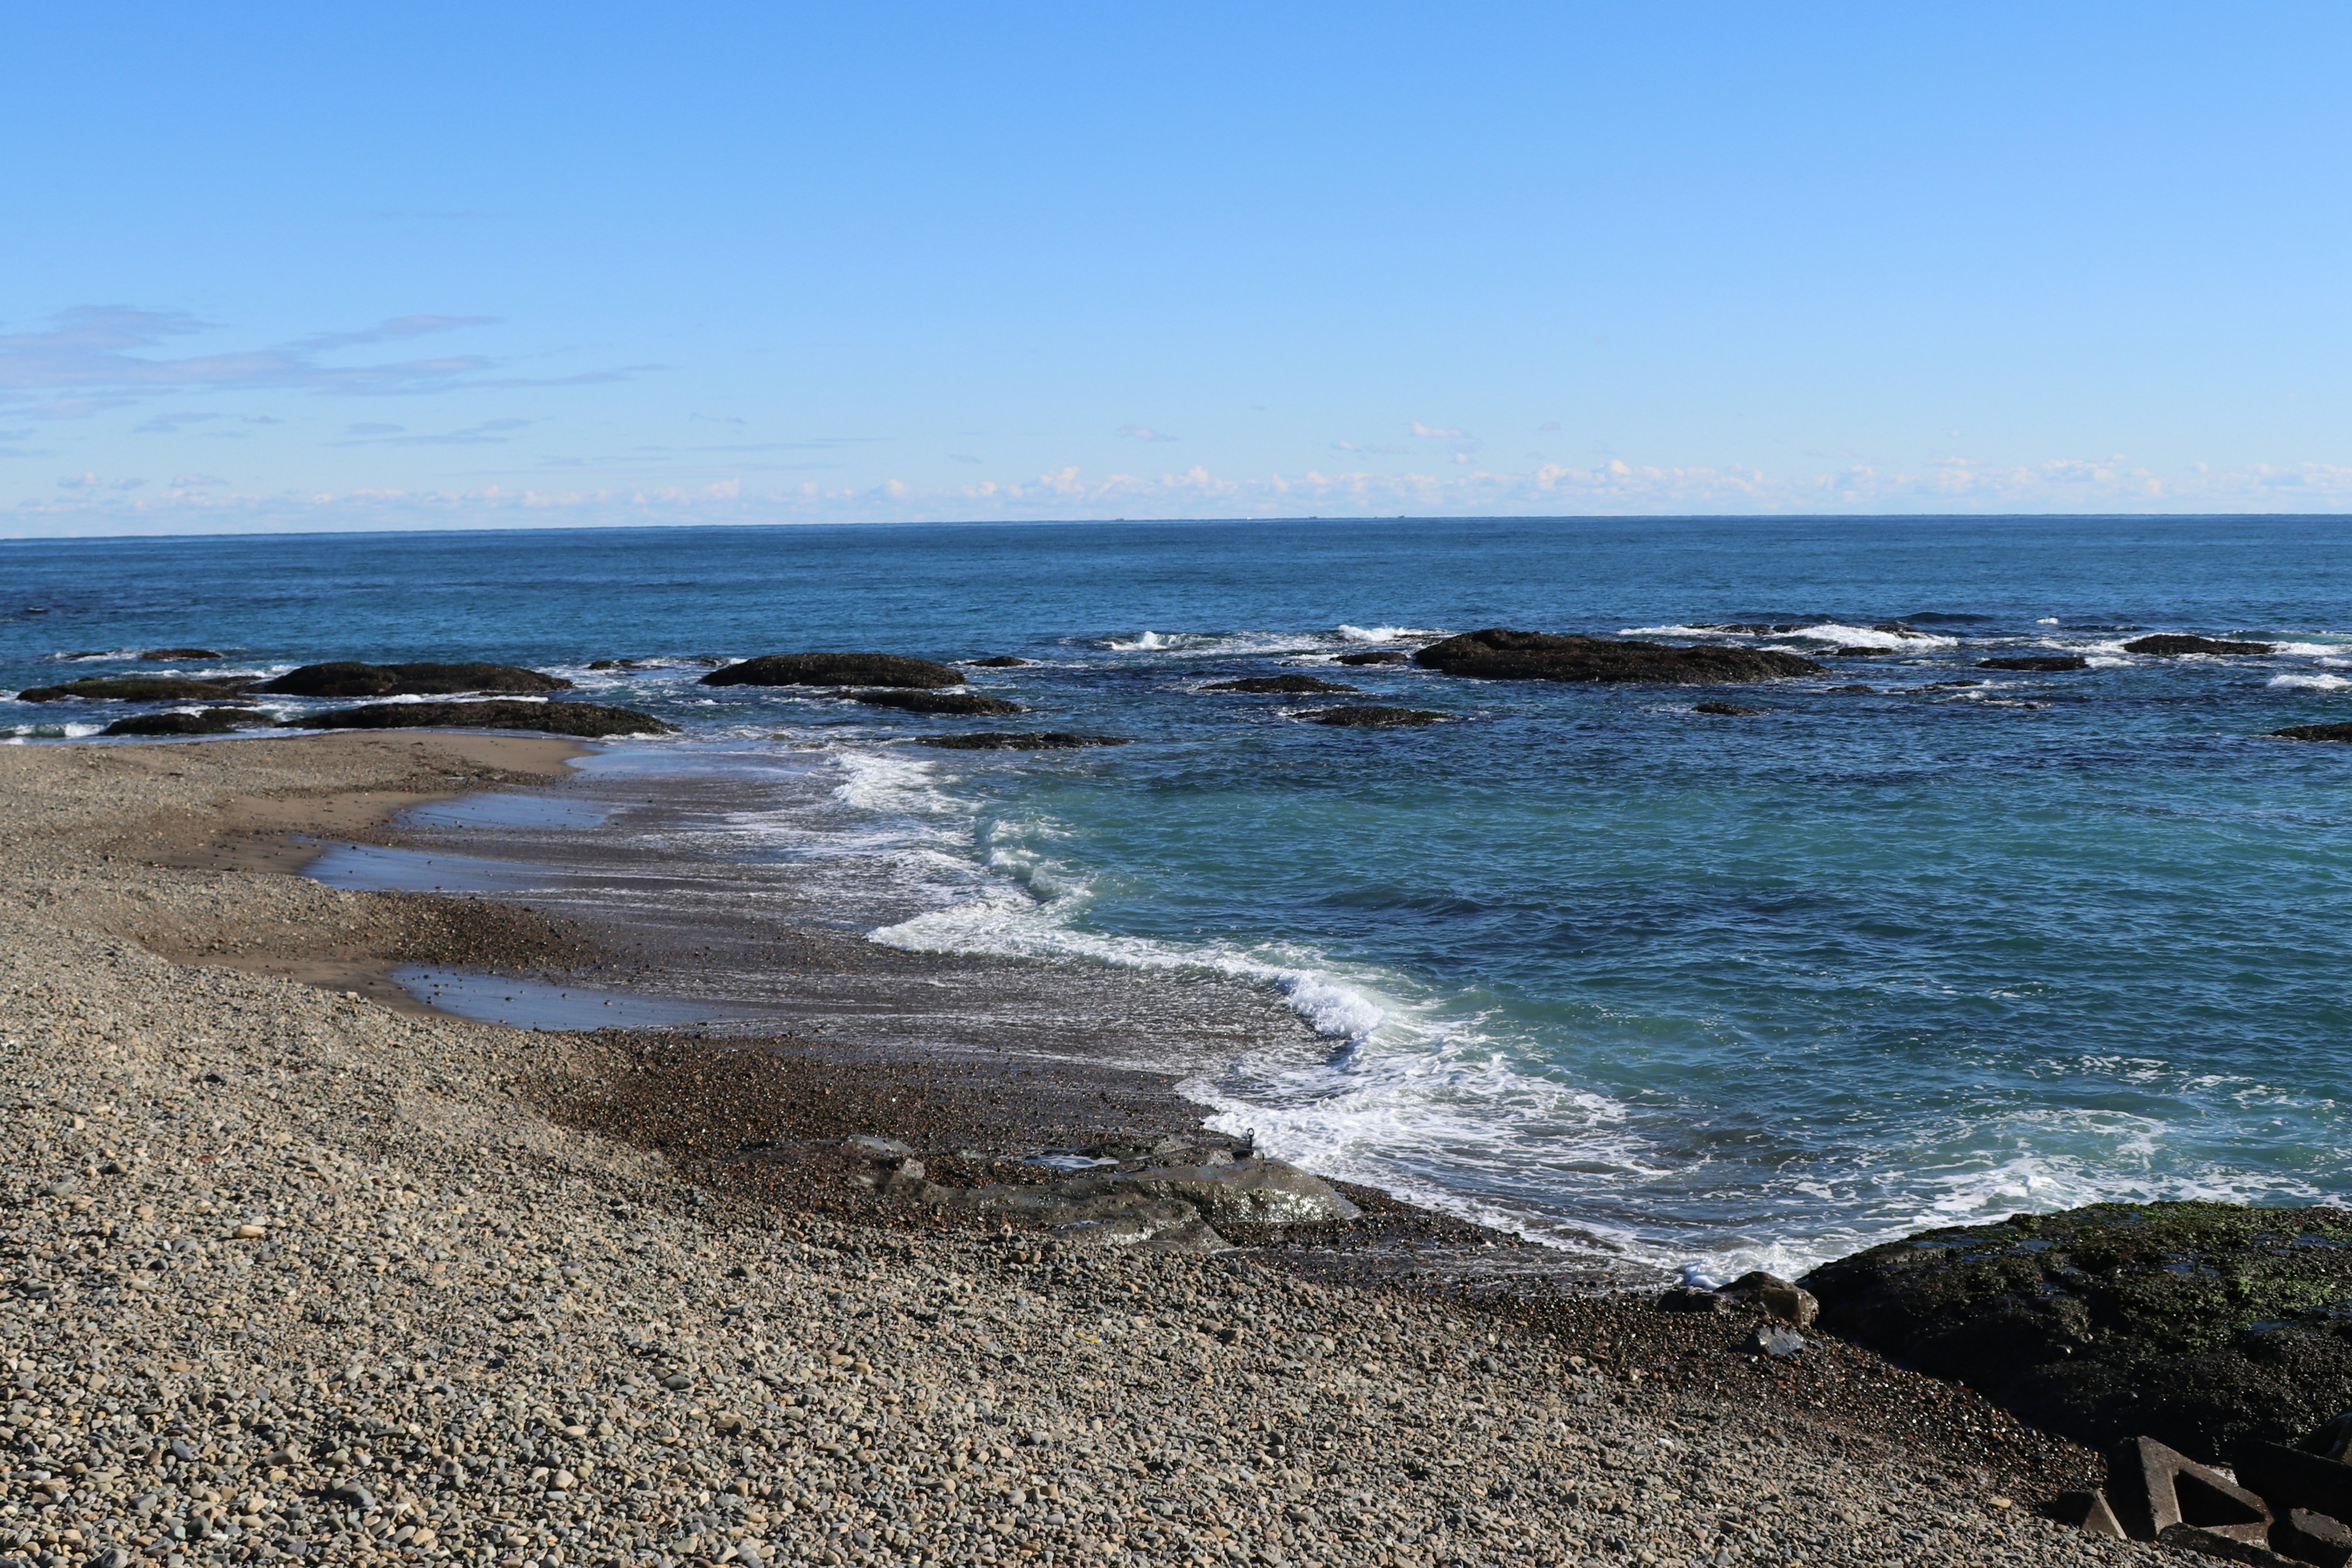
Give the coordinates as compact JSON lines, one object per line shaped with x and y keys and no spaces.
{"x":248,"y":1232}
{"x":563,"y":1481}
{"x":1777,"y":1341}
{"x":677,"y":1383}
{"x":1691,"y":1298}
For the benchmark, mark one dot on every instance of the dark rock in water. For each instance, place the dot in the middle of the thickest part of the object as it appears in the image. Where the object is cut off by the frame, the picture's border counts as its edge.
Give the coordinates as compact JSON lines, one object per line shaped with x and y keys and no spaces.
{"x":1020,"y":741}
{"x":968,"y":702}
{"x":1497,"y":654}
{"x":1726,"y":710}
{"x":1864,"y":689}
{"x":1896,"y":628}
{"x":2171,"y":646}
{"x":1002,"y":661}
{"x":1280,"y":683}
{"x":162,"y":655}
{"x":130,"y":689}
{"x":349,"y":678}
{"x":837,"y":669}
{"x":1385,"y":656}
{"x":2204,"y":1325}
{"x":2316,"y":733}
{"x":210,"y":722}
{"x":604,"y":664}
{"x":2051,"y":661}
{"x":1859,"y":652}
{"x":588,"y":720}
{"x":1370,"y":716}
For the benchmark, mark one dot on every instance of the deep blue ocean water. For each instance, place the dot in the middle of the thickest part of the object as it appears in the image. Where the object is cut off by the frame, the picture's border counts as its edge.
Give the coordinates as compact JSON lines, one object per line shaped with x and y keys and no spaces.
{"x":1725,"y":990}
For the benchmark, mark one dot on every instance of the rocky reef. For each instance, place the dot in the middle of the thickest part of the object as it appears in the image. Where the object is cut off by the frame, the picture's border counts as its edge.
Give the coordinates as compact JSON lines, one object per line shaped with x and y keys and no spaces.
{"x":206,"y":722}
{"x":587,"y":719}
{"x":2315,"y":733}
{"x":1372,"y":716}
{"x":2037,"y":662}
{"x":1498,"y":653}
{"x":837,"y":669}
{"x":2169,"y":644}
{"x":1284,"y":684}
{"x":349,"y":677}
{"x":971,"y":703}
{"x":1020,"y":741}
{"x":130,"y":689}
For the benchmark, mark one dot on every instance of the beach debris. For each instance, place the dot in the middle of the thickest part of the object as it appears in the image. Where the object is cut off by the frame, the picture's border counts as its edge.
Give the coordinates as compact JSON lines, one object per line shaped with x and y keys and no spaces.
{"x":1498,"y":653}
{"x":1371,"y":716}
{"x":2171,"y":644}
{"x":351,"y":678}
{"x":583,"y":719}
{"x":2154,"y":1489}
{"x":1280,"y":683}
{"x":2291,"y":1479}
{"x":836,"y":670}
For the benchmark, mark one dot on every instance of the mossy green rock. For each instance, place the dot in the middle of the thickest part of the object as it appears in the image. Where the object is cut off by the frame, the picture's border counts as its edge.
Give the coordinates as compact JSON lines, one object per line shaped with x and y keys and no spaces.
{"x":2201,"y":1325}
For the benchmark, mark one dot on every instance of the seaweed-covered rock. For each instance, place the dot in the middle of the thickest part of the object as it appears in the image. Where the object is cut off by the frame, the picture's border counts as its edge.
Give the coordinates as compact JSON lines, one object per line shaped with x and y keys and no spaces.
{"x":588,"y":720}
{"x":167,"y":655}
{"x":2315,"y":733}
{"x":965,"y":703}
{"x":1267,"y":684}
{"x":1371,"y":716}
{"x":1379,"y":655}
{"x":1497,"y":654}
{"x":209,"y":721}
{"x":130,"y":689}
{"x":2037,"y":661}
{"x":1020,"y":741}
{"x":837,"y":669}
{"x":2168,"y":644}
{"x":349,"y":677}
{"x":2202,"y":1325}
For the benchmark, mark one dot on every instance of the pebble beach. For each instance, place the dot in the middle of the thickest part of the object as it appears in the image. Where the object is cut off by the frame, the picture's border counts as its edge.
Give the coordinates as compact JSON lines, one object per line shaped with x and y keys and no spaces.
{"x":291,"y":1269}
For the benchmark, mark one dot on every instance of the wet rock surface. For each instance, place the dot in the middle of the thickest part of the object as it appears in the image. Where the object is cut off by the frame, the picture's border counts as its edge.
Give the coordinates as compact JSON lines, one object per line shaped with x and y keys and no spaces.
{"x":1021,"y":741}
{"x":971,"y":703}
{"x":1001,"y":661}
{"x":1373,"y":716}
{"x":587,"y":719}
{"x":1726,"y":710}
{"x":1280,"y":683}
{"x":130,"y":689}
{"x":2202,"y":1326}
{"x":2037,"y":662}
{"x":169,"y":655}
{"x":206,"y":722}
{"x":837,"y":669}
{"x":349,"y":678}
{"x":1497,"y":653}
{"x":2316,"y":733}
{"x":1381,"y":655}
{"x":2171,"y":644}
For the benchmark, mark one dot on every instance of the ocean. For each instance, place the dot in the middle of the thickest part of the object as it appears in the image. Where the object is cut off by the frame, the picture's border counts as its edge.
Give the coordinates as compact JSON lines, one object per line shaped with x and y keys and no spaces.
{"x":1709,"y":991}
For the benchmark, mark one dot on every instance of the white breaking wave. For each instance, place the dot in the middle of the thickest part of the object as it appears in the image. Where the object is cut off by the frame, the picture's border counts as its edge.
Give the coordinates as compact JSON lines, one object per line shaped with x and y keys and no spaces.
{"x":1380,"y":634}
{"x":2311,"y":683}
{"x":1826,"y":632}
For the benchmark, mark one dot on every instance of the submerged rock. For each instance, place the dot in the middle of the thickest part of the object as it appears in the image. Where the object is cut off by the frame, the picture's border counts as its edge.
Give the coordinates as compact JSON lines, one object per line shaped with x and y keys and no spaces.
{"x":1497,"y":654}
{"x":1280,"y":683}
{"x":967,"y":702}
{"x":2037,"y":661}
{"x":2171,"y":646}
{"x":588,"y":720}
{"x":163,"y":655}
{"x":349,"y":677}
{"x":2316,"y":733}
{"x":1371,"y":716}
{"x":130,"y":689}
{"x":837,"y":669}
{"x":2204,"y":1325}
{"x":1383,"y":656}
{"x":1726,"y":710}
{"x":1020,"y":741}
{"x":209,"y":721}
{"x":1001,"y":661}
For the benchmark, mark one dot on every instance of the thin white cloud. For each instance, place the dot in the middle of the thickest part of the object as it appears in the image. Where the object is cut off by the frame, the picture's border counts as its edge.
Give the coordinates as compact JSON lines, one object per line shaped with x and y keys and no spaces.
{"x":1438,"y":433}
{"x":1146,"y":433}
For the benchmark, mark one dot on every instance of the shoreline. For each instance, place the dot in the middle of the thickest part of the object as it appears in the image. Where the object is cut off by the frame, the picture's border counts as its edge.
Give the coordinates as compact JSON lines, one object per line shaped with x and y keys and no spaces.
{"x":971,"y":1392}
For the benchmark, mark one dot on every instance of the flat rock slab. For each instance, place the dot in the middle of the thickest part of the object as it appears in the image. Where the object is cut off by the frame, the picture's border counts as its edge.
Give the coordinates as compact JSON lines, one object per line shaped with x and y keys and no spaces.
{"x":837,"y":669}
{"x":1280,"y":683}
{"x":2168,"y":644}
{"x":586,"y":719}
{"x":1371,"y":716}
{"x":130,"y":689}
{"x":210,"y":721}
{"x":2041,"y":662}
{"x":1499,"y":654}
{"x":349,"y":677}
{"x":2202,"y":1325}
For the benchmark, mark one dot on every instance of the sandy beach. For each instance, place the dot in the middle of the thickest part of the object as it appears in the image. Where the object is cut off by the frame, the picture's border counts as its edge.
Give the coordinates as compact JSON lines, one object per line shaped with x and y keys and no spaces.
{"x":296,"y":1268}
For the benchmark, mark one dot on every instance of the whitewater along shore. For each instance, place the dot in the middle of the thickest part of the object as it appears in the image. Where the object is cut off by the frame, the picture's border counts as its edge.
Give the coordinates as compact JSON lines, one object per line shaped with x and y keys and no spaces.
{"x":291,"y":1269}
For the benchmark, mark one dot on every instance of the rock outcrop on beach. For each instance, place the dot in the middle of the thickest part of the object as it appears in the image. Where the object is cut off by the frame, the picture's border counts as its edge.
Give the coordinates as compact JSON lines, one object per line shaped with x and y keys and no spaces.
{"x":2171,"y":644}
{"x":1266,"y":685}
{"x":130,"y":689}
{"x":2315,"y":733}
{"x":208,"y":722}
{"x":837,"y":669}
{"x":969,"y":703}
{"x":1497,"y":653}
{"x":349,"y":677}
{"x":2202,"y":1325}
{"x":586,"y":719}
{"x":1020,"y":741}
{"x":2037,"y":662}
{"x":1373,"y":716}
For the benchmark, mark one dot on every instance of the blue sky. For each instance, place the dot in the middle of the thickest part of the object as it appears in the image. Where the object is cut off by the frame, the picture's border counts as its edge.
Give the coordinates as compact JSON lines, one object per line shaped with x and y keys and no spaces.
{"x":301,"y":266}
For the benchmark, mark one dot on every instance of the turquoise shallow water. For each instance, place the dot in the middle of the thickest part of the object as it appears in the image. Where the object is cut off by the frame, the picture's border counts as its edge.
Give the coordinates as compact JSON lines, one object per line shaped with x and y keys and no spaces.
{"x":1721,"y":990}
